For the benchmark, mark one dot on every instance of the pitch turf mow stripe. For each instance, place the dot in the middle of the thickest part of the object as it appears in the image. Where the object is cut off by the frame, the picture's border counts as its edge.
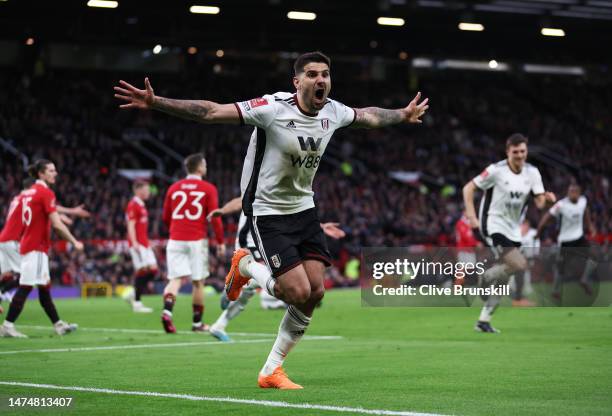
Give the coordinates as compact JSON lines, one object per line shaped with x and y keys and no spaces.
{"x":168,"y":345}
{"x":150,"y":331}
{"x":266,"y":403}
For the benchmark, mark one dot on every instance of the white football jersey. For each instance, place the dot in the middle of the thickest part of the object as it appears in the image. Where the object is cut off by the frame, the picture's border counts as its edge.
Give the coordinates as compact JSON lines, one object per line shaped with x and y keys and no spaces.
{"x":505,"y":198}
{"x":285,"y":151}
{"x":571,"y":218}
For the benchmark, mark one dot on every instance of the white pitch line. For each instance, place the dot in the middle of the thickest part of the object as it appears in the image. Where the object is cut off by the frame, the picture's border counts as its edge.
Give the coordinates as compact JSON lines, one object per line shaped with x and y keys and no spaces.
{"x":265,"y":403}
{"x":148,"y":346}
{"x":149,"y":331}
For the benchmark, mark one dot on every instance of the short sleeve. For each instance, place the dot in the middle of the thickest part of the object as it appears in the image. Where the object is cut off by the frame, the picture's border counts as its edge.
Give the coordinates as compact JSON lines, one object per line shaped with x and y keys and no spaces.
{"x":131,"y":213}
{"x":258,"y":112}
{"x":537,"y":186}
{"x":555,"y":210}
{"x":345,"y":115}
{"x":486,"y":179}
{"x":49,"y":202}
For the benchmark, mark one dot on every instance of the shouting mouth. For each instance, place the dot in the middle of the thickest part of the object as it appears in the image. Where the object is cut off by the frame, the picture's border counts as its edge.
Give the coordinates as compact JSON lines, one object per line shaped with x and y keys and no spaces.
{"x":319,"y":93}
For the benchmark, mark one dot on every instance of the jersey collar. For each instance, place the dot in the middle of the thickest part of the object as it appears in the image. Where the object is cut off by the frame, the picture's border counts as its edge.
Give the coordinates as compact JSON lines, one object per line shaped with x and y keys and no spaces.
{"x":139,"y":201}
{"x":511,"y":170}
{"x":193,"y":177}
{"x":41,"y":182}
{"x":306,"y":113}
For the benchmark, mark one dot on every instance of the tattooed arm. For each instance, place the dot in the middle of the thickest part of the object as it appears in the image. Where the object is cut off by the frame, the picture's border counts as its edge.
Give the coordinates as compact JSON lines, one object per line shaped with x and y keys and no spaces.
{"x":197,"y":110}
{"x":374,"y":117}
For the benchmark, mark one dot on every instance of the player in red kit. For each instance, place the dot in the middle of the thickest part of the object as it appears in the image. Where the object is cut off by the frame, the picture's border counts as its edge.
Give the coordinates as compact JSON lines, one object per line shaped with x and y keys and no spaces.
{"x":186,"y":206}
{"x":10,"y":259}
{"x":143,"y":258}
{"x":39,"y":214}
{"x":466,"y":243}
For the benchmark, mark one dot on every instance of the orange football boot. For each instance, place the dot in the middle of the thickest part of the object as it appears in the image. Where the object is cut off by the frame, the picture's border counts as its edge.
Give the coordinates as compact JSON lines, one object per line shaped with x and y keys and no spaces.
{"x":234,"y":280}
{"x":277,"y":380}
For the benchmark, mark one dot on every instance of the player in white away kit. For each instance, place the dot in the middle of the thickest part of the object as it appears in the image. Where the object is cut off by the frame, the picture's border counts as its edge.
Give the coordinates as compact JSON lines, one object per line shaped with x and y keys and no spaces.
{"x":507,"y":186}
{"x":291,"y":133}
{"x":244,"y":239}
{"x":186,"y":206}
{"x":573,"y":216}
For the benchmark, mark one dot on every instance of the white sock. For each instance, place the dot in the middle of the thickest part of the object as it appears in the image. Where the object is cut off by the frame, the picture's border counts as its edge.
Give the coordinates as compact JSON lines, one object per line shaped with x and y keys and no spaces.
{"x":8,"y":324}
{"x":489,"y":307}
{"x":237,"y":306}
{"x":499,"y":271}
{"x":291,"y":330}
{"x":250,"y":268}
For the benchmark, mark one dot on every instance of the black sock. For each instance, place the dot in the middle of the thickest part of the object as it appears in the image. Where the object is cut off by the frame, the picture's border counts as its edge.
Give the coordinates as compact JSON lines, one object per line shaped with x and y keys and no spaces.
{"x":198,"y":311}
{"x":44,"y":296}
{"x":139,"y":286}
{"x":17,"y":303}
{"x":519,"y":282}
{"x":169,"y":300}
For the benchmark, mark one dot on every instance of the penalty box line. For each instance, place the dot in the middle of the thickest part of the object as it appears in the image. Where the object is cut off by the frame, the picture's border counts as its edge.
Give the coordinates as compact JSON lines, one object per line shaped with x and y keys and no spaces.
{"x":252,"y":402}
{"x":149,"y":346}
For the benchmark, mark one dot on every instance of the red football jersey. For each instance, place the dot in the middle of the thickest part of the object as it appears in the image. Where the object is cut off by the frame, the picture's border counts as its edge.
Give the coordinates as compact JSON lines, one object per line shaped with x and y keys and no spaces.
{"x":464,"y":234}
{"x":13,"y":227}
{"x":37,"y":203}
{"x":137,"y":211}
{"x":186,"y":206}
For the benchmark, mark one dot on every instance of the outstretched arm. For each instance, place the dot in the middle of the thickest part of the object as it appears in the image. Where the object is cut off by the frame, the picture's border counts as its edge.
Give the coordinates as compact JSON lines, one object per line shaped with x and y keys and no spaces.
{"x":201,"y":111}
{"x":374,"y":117}
{"x":235,"y":205}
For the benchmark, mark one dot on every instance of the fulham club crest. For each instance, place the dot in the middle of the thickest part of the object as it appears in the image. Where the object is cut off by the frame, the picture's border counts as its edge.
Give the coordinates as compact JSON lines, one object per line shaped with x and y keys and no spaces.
{"x":276,"y":261}
{"x":325,"y":124}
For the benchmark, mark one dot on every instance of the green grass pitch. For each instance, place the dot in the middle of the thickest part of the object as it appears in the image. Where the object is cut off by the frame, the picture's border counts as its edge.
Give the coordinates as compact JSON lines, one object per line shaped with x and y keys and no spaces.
{"x":546,"y":361}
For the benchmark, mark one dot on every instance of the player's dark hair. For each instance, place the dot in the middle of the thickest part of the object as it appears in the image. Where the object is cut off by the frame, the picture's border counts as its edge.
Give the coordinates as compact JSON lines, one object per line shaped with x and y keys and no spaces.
{"x":138,"y":184}
{"x":27,"y":183}
{"x":516,"y":139}
{"x":38,"y":167}
{"x":305,"y":59}
{"x":192,"y":162}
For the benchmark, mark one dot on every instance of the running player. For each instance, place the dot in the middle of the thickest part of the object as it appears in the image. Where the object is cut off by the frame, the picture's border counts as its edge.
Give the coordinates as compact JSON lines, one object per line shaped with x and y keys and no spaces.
{"x":39,"y":214}
{"x":508,"y":185}
{"x":291,"y":133}
{"x":245,"y":240}
{"x":573,"y":216}
{"x":143,"y":258}
{"x":186,"y":206}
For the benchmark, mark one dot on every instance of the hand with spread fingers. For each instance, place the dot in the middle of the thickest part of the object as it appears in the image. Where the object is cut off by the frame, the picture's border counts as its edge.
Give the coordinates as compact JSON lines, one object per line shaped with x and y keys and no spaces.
{"x":415,"y":110}
{"x":135,"y":98}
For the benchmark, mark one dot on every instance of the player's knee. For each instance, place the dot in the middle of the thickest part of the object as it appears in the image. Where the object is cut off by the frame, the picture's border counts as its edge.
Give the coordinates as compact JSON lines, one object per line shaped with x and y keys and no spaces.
{"x":297,"y":295}
{"x":317,"y":294}
{"x":519,"y":265}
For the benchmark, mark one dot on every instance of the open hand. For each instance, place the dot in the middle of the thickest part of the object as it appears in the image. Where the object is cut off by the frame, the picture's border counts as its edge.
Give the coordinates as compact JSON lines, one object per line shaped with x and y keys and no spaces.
{"x":415,"y":110}
{"x":142,"y":99}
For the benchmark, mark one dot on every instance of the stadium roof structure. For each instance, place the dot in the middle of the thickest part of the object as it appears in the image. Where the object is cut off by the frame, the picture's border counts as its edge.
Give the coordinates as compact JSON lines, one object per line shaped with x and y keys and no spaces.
{"x":506,"y":29}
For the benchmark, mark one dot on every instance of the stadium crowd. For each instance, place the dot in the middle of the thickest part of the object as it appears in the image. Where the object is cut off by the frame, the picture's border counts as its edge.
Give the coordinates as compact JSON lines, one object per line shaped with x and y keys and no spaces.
{"x":72,"y":119}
